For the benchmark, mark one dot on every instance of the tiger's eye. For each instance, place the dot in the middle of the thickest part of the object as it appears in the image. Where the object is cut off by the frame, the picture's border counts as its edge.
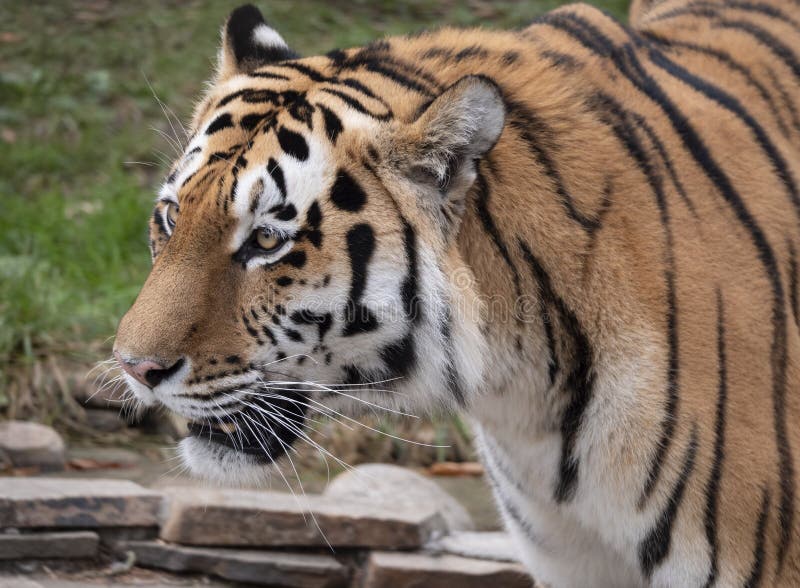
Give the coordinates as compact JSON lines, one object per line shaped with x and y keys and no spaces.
{"x":172,"y":214}
{"x":268,"y":241}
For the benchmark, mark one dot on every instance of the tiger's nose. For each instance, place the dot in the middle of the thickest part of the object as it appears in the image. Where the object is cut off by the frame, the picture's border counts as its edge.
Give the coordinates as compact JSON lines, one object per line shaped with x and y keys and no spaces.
{"x":146,"y":371}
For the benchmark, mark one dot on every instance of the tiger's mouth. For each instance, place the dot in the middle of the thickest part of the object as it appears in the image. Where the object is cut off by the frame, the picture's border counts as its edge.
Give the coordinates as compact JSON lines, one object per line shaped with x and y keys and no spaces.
{"x":262,"y":428}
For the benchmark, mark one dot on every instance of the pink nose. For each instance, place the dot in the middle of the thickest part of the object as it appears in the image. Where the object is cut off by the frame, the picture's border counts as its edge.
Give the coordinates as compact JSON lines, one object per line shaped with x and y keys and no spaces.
{"x":149,"y":373}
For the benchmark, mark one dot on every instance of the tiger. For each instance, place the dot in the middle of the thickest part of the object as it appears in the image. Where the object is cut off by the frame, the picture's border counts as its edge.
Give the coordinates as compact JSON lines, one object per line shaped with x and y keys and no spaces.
{"x":582,"y":235}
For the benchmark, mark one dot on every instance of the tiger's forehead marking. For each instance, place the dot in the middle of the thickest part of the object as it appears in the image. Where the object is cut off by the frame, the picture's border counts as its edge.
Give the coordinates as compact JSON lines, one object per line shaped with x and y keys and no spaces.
{"x":300,"y":117}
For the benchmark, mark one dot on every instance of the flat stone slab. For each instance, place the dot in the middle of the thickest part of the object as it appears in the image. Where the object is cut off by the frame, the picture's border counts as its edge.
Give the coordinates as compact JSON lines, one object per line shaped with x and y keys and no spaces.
{"x":69,"y":545}
{"x":274,"y":519}
{"x":79,"y":503}
{"x":492,"y":545}
{"x":415,"y":570}
{"x":289,"y":570}
{"x":32,"y":445}
{"x":393,"y":486}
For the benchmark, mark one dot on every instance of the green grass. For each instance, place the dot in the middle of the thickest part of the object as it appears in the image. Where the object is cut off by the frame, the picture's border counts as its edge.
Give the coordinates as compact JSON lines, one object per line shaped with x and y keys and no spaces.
{"x":76,"y":108}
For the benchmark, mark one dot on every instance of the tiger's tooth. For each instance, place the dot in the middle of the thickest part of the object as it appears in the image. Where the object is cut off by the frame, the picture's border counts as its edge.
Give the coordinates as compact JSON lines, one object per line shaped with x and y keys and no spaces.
{"x":227,"y":427}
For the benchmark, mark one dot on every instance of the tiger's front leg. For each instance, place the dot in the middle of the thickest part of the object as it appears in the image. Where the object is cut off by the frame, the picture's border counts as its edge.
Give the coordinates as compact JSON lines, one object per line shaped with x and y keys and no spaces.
{"x":559,"y":550}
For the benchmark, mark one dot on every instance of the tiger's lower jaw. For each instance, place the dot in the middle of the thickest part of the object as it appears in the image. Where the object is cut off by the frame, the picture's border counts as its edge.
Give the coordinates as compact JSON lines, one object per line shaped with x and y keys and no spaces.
{"x":241,"y":449}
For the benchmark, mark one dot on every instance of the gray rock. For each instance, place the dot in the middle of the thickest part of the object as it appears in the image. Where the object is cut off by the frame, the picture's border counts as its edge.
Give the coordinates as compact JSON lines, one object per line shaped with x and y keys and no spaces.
{"x":273,"y":519}
{"x":416,"y":570}
{"x":495,"y":545}
{"x":32,"y":445}
{"x":83,"y":503}
{"x":397,"y":487}
{"x":278,"y":569}
{"x":70,"y":545}
{"x":17,"y":582}
{"x":105,"y":421}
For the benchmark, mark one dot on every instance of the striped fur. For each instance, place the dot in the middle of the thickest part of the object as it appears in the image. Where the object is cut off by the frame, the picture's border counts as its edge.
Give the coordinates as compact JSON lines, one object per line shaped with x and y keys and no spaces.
{"x":637,"y":423}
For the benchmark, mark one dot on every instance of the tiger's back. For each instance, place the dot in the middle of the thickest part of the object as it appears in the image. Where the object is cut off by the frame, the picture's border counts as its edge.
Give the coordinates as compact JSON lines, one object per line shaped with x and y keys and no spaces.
{"x":700,"y":100}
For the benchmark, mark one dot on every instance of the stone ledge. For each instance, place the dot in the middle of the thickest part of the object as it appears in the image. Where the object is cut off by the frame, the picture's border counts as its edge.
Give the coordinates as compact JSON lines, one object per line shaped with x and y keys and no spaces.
{"x":271,"y":519}
{"x":69,"y":545}
{"x":489,"y":545}
{"x":295,"y":570}
{"x":415,"y":570}
{"x":79,"y":503}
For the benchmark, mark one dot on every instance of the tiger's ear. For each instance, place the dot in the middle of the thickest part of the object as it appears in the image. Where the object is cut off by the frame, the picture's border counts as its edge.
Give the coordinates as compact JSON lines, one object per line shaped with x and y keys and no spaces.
{"x":441,"y":148}
{"x":248,"y":42}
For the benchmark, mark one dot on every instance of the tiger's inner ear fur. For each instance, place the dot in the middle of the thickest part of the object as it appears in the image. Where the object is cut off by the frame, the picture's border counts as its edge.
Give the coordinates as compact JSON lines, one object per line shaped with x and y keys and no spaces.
{"x":439,"y":151}
{"x":248,"y":42}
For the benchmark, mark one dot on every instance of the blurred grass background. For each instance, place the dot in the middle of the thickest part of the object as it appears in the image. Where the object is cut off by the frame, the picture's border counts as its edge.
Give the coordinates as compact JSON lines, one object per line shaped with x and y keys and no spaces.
{"x":83,"y":146}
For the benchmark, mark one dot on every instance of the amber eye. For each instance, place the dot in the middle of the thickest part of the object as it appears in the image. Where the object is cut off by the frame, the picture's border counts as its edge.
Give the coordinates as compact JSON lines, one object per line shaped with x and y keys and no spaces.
{"x":269,"y":241}
{"x":172,"y":214}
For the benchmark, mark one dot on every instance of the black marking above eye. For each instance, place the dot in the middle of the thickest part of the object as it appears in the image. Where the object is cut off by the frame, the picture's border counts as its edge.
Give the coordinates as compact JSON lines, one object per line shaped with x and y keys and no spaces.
{"x":276,"y":173}
{"x":346,"y":193}
{"x":293,"y":143}
{"x":284,"y":281}
{"x":223,"y":121}
{"x":287,"y":213}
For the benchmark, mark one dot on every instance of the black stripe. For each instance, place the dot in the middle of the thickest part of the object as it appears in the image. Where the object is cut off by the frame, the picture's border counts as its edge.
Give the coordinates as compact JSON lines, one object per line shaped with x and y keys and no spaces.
{"x":579,"y":382}
{"x":780,"y":50}
{"x":268,"y":332}
{"x":267,"y":75}
{"x":787,"y":100}
{"x":482,"y":208}
{"x":346,"y":193}
{"x":412,"y":302}
{"x":709,"y":9}
{"x":399,"y":357}
{"x":452,"y":378}
{"x":655,"y":547}
{"x":547,"y":320}
{"x":286,"y":213}
{"x":276,"y":173}
{"x":310,"y":72}
{"x":534,"y":131}
{"x":757,"y":567}
{"x":387,"y":67}
{"x":634,"y":72}
{"x":715,"y":478}
{"x":360,"y":247}
{"x":355,"y":104}
{"x":223,"y":121}
{"x":158,"y":219}
{"x":627,"y":136}
{"x":728,"y":61}
{"x":665,"y":160}
{"x":333,"y":124}
{"x":356,"y":85}
{"x":293,"y":143}
{"x":731,"y":104}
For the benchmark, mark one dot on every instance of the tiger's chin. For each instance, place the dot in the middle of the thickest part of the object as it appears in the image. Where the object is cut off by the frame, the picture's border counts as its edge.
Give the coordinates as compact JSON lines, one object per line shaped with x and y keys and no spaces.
{"x":223,"y":466}
{"x":241,"y":450}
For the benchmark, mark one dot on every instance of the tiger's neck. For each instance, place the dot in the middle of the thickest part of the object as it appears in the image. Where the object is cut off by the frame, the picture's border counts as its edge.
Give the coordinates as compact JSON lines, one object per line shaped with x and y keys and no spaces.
{"x":532,"y":234}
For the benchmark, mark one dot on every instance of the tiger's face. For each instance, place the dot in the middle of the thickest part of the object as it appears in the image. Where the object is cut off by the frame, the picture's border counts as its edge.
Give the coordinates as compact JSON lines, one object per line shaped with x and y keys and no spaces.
{"x":303,"y":256}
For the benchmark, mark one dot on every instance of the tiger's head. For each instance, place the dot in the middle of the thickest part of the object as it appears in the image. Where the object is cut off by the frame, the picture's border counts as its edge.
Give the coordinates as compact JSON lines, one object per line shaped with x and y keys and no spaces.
{"x":304,"y":256}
